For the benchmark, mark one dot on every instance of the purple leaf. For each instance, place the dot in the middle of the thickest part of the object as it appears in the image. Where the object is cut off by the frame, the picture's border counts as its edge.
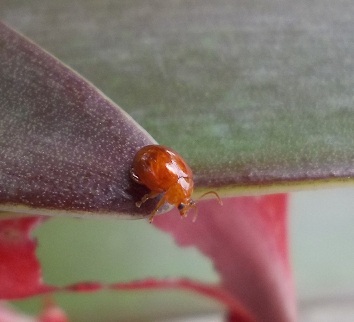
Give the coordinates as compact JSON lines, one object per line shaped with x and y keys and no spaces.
{"x":65,"y":147}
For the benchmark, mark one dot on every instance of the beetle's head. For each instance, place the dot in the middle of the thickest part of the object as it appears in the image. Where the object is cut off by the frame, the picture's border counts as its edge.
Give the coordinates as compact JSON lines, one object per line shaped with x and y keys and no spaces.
{"x":185,"y":206}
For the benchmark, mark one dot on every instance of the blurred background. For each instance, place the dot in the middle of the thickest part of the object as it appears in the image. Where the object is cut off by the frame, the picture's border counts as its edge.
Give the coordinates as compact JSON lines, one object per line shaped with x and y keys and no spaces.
{"x":322,"y":239}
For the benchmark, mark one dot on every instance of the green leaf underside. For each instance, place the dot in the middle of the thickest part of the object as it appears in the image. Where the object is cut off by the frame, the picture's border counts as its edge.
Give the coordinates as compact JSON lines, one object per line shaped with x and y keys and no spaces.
{"x":64,"y":146}
{"x":251,"y":94}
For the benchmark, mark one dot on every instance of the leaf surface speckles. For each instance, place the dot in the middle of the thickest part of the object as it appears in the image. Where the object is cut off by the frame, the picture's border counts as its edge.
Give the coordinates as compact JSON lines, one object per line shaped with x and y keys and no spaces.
{"x":64,"y":145}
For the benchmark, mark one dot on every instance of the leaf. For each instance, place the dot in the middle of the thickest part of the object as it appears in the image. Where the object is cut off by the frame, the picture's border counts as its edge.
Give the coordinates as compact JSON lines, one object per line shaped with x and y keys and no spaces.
{"x":246,"y":239}
{"x":256,"y":96}
{"x":52,"y":312}
{"x":20,"y":270}
{"x":20,"y":274}
{"x":65,"y":147}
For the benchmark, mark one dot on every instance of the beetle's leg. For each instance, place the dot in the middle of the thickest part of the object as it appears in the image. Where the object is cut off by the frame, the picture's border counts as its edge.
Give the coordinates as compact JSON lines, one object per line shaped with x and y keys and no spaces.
{"x":151,"y":195}
{"x":158,"y":206}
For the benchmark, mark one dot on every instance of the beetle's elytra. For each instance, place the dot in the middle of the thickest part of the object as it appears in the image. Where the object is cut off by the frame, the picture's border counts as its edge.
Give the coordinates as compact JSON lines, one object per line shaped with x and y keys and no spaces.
{"x":163,"y":171}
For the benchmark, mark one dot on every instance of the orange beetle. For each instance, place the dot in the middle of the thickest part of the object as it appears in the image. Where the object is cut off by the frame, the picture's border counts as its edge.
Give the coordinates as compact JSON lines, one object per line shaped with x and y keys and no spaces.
{"x":163,"y":170}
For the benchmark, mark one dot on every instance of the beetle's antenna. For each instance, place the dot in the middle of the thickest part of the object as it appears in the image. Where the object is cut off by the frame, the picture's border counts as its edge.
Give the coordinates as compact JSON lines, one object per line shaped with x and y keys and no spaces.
{"x":211,"y":192}
{"x":204,"y":194}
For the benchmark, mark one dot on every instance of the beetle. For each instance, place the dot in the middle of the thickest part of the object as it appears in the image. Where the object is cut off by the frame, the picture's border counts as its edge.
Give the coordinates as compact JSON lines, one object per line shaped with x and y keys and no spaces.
{"x":163,"y":171}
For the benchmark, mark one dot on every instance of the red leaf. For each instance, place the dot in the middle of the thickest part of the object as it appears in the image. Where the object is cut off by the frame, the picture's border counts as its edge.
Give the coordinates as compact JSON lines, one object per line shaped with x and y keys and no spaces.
{"x":247,"y":240}
{"x":213,"y":291}
{"x":20,"y":271}
{"x":52,"y":312}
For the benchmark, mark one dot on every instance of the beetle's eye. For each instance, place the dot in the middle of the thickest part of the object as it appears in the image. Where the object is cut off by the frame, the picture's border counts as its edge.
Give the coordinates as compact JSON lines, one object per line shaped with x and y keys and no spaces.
{"x":181,"y":206}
